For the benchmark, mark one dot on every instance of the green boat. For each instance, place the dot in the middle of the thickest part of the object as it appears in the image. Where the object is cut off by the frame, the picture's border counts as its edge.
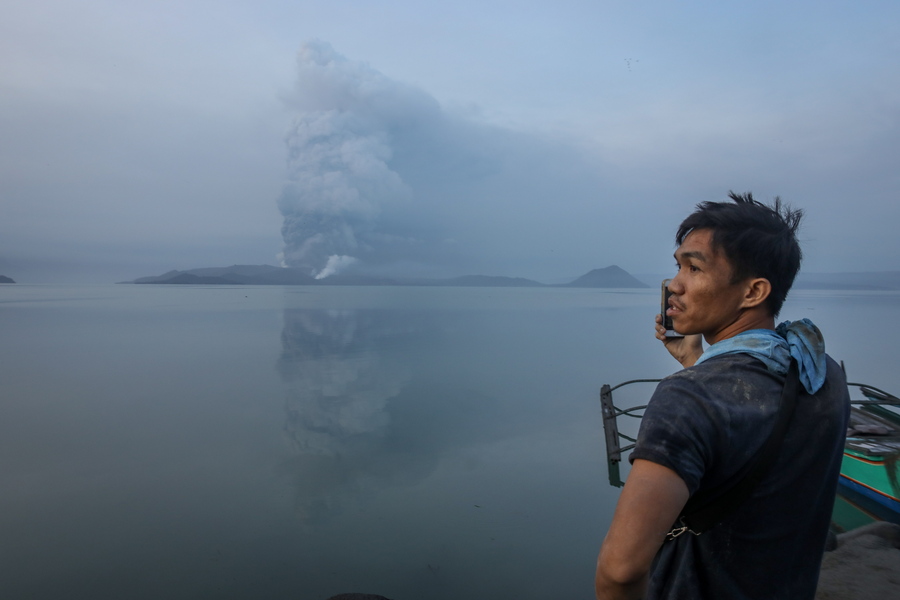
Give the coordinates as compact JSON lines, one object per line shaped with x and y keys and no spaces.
{"x":871,"y":452}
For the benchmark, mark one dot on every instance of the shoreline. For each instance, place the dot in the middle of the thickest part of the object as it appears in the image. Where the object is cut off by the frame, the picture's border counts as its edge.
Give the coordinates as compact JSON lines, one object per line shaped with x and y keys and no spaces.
{"x":864,"y":565}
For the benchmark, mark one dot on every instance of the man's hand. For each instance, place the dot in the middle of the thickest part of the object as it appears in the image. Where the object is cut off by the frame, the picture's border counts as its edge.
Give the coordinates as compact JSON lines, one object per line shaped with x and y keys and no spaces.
{"x":686,"y":350}
{"x":650,"y":503}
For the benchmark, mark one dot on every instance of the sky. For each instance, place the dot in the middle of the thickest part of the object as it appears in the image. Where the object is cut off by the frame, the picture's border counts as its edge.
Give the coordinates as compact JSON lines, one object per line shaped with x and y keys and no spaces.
{"x":528,"y":139}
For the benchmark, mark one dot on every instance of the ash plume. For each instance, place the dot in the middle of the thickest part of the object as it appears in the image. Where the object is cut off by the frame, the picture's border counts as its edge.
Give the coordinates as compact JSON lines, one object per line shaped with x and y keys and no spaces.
{"x":339,"y":153}
{"x":382,"y":179}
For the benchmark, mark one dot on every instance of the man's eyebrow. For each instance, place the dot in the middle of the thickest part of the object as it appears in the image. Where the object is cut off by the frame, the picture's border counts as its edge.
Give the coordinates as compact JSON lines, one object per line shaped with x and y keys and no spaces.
{"x":690,"y":254}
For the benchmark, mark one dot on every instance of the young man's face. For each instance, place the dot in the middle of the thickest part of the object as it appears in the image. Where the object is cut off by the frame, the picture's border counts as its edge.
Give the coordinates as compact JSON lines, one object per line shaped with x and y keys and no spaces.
{"x":704,"y":299}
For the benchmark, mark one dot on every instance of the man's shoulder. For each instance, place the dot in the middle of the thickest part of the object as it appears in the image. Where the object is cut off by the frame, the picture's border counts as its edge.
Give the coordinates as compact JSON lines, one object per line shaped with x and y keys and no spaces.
{"x":738,"y":371}
{"x":702,"y":388}
{"x":834,"y":369}
{"x":718,"y":387}
{"x":835,"y":387}
{"x":722,"y":367}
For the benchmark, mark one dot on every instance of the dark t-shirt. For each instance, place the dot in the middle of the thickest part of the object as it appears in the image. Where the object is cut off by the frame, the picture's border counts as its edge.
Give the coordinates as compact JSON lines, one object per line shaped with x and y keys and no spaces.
{"x":705,"y":423}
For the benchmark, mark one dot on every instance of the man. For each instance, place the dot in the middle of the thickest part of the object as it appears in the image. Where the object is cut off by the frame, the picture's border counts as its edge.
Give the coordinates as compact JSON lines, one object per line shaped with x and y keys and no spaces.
{"x":736,"y":263}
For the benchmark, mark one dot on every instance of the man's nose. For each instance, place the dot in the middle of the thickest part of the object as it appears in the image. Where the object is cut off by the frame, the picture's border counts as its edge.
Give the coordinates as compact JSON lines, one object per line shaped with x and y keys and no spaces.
{"x":675,"y":285}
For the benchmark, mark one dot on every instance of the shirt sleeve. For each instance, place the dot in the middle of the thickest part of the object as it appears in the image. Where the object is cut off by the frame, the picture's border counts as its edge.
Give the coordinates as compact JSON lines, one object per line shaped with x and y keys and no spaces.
{"x":678,"y":429}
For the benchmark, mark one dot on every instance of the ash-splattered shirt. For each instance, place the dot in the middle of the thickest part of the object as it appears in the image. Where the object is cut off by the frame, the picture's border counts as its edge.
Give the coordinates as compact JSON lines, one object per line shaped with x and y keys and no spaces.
{"x":705,"y":423}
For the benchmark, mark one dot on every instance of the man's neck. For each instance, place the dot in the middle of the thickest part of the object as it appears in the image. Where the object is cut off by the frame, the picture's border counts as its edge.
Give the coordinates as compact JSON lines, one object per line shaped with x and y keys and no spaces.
{"x":747,"y":320}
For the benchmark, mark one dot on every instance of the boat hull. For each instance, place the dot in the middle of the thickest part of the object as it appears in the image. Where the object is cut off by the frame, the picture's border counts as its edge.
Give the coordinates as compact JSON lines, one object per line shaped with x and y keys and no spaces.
{"x":873,"y":476}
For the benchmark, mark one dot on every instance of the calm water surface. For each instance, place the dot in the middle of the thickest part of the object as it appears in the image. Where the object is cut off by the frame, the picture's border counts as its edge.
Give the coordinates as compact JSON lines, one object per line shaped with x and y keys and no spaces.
{"x":268,"y":442}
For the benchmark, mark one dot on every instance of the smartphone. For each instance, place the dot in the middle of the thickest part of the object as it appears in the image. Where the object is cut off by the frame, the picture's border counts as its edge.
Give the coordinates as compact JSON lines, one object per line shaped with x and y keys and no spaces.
{"x":667,"y":321}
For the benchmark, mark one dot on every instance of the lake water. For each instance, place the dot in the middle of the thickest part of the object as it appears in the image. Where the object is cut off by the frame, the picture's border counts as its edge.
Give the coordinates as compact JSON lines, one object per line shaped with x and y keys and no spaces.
{"x":293,"y":442}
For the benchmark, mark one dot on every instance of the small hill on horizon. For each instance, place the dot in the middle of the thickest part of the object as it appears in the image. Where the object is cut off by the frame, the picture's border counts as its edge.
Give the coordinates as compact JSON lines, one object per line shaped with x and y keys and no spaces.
{"x":5,"y":279}
{"x":609,"y":277}
{"x":233,"y":275}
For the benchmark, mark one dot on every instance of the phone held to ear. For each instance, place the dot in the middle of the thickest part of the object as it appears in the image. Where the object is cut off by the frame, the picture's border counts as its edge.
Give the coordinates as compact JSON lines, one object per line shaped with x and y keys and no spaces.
{"x":667,"y":320}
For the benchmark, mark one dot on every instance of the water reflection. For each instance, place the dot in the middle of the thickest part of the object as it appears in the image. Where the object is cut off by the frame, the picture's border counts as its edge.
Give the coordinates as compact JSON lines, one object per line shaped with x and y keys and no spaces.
{"x":376,"y":398}
{"x":339,"y":386}
{"x":338,"y":383}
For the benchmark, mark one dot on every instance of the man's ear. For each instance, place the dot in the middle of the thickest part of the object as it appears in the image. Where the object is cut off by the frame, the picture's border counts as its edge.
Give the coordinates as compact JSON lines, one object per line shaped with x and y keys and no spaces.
{"x":756,"y":292}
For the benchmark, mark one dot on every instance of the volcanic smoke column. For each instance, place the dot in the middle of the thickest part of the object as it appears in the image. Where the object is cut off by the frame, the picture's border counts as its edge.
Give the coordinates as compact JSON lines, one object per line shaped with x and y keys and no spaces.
{"x":339,"y":147}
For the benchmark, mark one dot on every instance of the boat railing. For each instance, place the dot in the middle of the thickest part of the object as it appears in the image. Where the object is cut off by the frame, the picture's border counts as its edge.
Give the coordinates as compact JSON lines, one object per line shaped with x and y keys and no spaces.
{"x":614,"y":437}
{"x":874,"y":395}
{"x":876,"y":400}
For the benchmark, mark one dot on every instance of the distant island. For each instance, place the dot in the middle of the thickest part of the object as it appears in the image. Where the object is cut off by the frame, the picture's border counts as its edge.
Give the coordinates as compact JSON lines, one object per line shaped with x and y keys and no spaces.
{"x":5,"y":279}
{"x":609,"y":277}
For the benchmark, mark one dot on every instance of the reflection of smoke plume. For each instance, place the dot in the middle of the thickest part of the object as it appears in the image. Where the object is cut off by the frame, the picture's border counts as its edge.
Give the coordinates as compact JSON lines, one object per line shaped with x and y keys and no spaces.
{"x":340,"y":147}
{"x":339,"y":388}
{"x":357,"y":417}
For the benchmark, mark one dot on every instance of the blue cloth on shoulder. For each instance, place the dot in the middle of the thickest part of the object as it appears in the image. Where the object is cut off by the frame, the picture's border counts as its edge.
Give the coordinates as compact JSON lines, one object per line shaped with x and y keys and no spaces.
{"x":799,"y":339}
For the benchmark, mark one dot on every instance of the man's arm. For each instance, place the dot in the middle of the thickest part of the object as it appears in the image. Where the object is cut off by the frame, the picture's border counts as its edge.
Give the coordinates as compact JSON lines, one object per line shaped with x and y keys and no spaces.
{"x":650,"y":503}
